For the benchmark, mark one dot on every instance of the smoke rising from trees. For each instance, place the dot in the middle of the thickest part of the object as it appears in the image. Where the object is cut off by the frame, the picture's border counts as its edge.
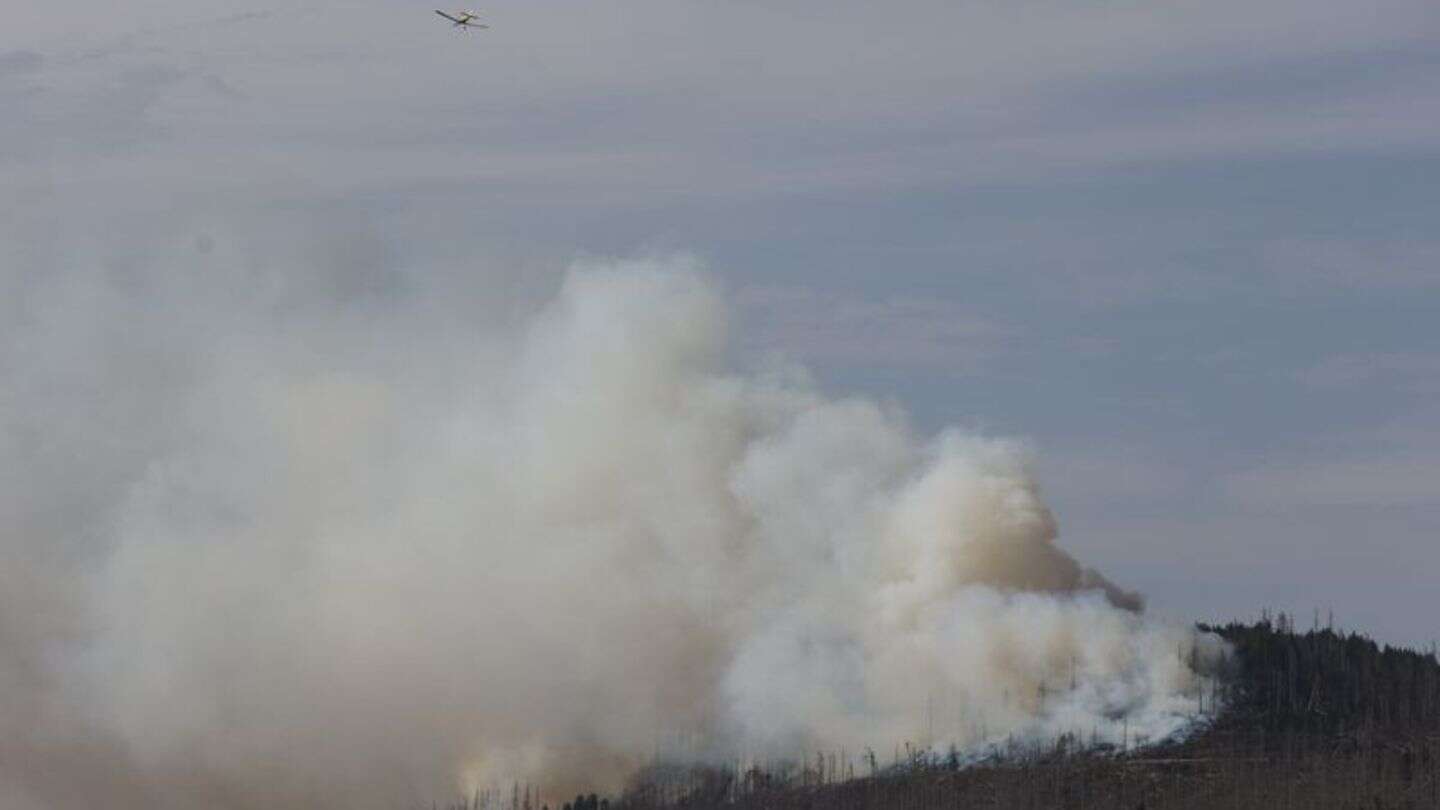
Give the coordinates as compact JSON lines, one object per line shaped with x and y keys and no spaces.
{"x":287,"y":527}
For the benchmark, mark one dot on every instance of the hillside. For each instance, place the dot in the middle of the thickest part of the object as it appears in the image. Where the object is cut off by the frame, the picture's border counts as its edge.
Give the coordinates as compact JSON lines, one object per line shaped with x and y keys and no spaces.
{"x":1315,"y":720}
{"x":1323,"y":682}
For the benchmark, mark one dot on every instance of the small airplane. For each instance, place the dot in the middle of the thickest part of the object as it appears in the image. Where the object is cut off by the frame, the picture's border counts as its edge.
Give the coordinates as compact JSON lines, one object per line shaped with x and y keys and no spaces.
{"x":462,"y":19}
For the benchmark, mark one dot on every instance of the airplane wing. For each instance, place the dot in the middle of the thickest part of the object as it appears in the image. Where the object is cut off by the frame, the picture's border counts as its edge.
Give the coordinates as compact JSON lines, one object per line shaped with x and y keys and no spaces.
{"x":450,"y":18}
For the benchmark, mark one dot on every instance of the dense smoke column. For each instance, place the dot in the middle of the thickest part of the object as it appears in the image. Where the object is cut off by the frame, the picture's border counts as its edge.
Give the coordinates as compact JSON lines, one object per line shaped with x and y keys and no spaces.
{"x":278,"y":538}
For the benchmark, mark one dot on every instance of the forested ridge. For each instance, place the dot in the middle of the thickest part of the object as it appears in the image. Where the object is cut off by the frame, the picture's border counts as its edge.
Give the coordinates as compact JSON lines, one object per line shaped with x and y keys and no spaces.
{"x":1327,"y":682}
{"x":1320,"y":720}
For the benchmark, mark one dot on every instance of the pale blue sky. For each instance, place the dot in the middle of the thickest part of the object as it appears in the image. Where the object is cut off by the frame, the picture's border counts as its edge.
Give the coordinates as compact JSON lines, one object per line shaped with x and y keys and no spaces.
{"x":1190,"y":250}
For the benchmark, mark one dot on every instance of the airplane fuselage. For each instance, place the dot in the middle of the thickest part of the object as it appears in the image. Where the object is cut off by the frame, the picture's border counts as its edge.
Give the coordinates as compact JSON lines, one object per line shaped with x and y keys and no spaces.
{"x":462,"y":19}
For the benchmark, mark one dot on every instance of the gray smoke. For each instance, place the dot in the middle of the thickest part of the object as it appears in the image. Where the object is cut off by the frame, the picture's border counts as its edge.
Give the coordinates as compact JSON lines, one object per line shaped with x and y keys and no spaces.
{"x":285,"y":526}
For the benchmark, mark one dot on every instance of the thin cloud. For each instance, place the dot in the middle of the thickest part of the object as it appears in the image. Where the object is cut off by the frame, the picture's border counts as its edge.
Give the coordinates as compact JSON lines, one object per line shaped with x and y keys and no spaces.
{"x":1407,"y":372}
{"x":1387,"y":481}
{"x":17,"y":63}
{"x":1391,"y":264}
{"x":889,"y":332}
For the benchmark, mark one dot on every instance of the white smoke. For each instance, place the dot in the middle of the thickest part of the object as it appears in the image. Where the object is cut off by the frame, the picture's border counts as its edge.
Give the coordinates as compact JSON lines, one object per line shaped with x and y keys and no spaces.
{"x":296,"y":533}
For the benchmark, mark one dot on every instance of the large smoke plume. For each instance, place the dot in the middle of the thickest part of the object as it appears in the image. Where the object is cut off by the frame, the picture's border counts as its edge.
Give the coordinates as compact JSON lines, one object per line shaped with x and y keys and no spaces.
{"x":284,"y":527}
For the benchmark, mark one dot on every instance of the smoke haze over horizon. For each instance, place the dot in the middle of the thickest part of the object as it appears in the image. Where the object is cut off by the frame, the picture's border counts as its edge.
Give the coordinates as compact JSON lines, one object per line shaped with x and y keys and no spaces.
{"x":1187,"y":248}
{"x":291,"y":542}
